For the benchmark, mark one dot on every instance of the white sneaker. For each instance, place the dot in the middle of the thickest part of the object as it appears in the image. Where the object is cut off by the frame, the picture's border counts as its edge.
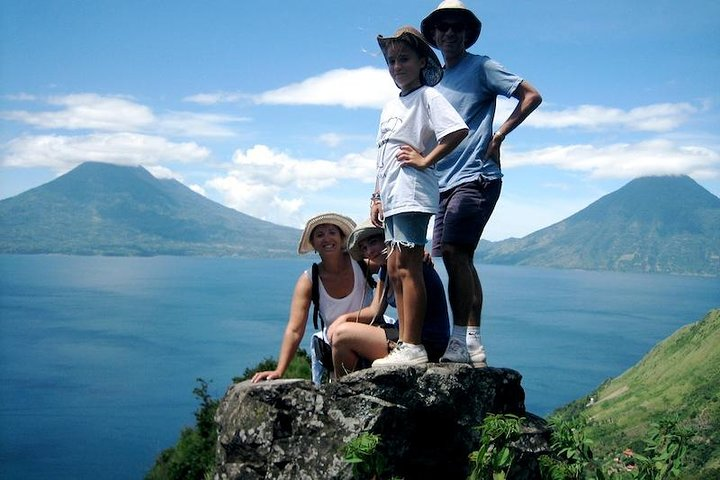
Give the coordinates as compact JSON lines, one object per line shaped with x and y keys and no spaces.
{"x":457,"y":352}
{"x":403,"y":354}
{"x":478,"y":358}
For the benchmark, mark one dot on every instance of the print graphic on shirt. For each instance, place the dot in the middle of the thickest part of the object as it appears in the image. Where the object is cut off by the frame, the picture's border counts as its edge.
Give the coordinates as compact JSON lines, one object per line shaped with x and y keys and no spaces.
{"x":387,"y":128}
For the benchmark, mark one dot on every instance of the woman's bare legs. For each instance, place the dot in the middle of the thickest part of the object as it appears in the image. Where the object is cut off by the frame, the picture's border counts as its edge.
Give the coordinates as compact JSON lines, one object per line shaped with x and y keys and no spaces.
{"x":351,"y":341}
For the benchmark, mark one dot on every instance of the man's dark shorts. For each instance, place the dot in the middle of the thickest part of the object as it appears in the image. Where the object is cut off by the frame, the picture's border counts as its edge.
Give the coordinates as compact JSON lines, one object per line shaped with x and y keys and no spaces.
{"x":464,"y":212}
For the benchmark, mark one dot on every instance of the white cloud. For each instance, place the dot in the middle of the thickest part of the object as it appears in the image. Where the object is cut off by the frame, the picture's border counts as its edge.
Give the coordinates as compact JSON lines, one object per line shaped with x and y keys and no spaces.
{"x":89,"y":111}
{"x":158,"y":171}
{"x":64,"y":152}
{"x":216,"y":98}
{"x":263,"y":201}
{"x":334,"y":140}
{"x":274,"y":185}
{"x":331,"y":139}
{"x":661,"y":117}
{"x":363,"y":87}
{"x":624,"y":160}
{"x":20,"y":97}
{"x":188,"y":124}
{"x":198,"y":189}
{"x":261,"y":164}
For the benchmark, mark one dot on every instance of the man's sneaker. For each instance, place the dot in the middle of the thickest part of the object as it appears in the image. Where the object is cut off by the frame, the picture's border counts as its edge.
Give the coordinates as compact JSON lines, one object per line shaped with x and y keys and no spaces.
{"x":478,"y":359}
{"x":457,"y":352}
{"x":403,"y":354}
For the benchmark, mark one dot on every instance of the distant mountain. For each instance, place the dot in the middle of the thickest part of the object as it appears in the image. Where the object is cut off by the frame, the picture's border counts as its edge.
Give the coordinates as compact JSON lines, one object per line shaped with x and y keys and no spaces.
{"x":652,"y":224}
{"x":104,"y":209}
{"x":679,"y":377}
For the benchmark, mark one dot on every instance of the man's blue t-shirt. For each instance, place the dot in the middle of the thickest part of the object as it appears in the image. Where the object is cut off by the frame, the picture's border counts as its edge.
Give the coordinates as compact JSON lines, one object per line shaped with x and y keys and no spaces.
{"x":472,"y":87}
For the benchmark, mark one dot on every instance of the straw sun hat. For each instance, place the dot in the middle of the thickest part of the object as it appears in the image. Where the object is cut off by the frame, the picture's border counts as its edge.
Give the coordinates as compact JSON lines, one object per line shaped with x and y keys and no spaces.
{"x":345,"y":224}
{"x":363,"y":231}
{"x":456,"y":7}
{"x":433,"y":72}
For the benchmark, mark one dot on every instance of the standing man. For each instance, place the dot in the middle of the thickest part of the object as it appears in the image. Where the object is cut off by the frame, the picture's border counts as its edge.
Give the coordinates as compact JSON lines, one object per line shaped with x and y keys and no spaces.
{"x":470,"y":176}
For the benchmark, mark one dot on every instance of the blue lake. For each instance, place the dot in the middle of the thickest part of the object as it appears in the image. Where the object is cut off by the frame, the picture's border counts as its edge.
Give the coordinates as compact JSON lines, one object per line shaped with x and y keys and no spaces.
{"x":99,"y":356}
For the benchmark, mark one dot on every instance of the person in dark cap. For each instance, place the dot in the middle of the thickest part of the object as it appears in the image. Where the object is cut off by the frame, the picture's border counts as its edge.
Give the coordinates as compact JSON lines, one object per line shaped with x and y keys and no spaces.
{"x":470,"y":176}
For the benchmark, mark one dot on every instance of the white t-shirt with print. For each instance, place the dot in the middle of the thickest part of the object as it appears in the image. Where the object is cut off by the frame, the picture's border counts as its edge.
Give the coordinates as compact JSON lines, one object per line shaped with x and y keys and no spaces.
{"x":419,"y":120}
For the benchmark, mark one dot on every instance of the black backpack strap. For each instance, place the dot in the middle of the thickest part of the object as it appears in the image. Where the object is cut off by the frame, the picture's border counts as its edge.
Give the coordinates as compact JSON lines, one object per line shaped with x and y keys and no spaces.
{"x":316,"y":296}
{"x":368,"y":277}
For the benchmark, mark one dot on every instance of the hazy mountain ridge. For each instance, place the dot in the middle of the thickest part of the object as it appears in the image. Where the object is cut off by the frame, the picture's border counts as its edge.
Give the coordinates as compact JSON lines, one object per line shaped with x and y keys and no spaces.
{"x":103,"y":209}
{"x":652,"y":224}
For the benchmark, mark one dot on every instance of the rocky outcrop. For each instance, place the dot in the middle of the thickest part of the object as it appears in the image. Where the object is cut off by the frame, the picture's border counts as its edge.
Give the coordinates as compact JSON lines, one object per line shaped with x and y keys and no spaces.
{"x":425,"y":415}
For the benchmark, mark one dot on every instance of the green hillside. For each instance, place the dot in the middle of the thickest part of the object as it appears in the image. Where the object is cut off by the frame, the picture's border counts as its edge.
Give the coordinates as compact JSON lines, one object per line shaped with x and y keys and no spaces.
{"x":679,"y":378}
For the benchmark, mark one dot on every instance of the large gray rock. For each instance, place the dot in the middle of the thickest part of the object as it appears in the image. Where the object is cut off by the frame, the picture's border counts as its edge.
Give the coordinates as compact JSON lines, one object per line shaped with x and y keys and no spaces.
{"x":289,"y":429}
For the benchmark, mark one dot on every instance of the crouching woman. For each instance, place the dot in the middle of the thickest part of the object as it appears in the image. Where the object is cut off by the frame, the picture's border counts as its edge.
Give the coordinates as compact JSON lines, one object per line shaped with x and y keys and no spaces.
{"x":342,"y":286}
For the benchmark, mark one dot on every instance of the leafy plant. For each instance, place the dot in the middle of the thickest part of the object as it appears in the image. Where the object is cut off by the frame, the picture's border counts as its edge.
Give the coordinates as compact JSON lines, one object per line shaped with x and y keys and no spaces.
{"x":193,"y":457}
{"x":494,"y":458}
{"x":366,"y":459}
{"x":662,"y":457}
{"x":572,"y":456}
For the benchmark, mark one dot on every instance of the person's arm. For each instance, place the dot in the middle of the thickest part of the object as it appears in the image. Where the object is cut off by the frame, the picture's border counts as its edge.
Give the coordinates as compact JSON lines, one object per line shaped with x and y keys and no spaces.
{"x":528,"y":100}
{"x":409,"y":156}
{"x":365,"y":314}
{"x":376,"y":208}
{"x":299,"y":307}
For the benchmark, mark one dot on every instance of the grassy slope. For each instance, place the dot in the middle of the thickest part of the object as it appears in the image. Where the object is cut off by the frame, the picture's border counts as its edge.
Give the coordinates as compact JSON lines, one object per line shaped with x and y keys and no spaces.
{"x":680,"y":376}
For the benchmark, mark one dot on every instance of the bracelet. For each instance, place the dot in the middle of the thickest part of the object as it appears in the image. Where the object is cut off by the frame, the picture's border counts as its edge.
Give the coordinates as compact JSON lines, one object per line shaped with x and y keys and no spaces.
{"x":498,"y":134}
{"x":374,"y":198}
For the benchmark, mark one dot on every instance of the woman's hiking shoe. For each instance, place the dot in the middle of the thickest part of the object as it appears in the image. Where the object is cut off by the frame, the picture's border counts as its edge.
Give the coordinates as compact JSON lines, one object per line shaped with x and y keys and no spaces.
{"x":403,"y":354}
{"x":457,"y":352}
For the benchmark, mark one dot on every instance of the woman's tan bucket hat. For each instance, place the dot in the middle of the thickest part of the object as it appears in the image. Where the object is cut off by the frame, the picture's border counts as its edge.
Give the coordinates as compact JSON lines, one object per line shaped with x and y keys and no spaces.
{"x":345,"y":224}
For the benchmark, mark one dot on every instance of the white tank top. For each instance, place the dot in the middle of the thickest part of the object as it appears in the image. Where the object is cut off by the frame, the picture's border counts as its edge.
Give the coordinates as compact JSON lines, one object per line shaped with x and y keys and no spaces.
{"x":331,"y":308}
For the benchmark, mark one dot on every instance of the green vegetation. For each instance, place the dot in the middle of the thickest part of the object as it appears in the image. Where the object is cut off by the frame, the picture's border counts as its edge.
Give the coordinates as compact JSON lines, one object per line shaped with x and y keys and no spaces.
{"x":367,"y":460}
{"x":299,"y":367}
{"x":661,"y":457}
{"x":677,"y":384}
{"x":494,"y":459}
{"x":193,"y":457}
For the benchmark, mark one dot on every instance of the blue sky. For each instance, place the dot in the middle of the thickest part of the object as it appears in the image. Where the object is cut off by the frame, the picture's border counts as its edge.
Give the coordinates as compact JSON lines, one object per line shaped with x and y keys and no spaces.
{"x":271,"y":107}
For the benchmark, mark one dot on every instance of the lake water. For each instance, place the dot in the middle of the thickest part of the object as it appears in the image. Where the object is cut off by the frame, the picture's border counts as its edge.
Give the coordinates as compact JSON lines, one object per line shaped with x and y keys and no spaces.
{"x":99,"y":356}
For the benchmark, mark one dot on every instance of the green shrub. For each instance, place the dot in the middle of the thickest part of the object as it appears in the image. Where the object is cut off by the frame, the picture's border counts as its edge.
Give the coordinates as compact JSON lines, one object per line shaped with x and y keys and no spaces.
{"x":495,"y":457}
{"x":193,"y":457}
{"x":299,"y":367}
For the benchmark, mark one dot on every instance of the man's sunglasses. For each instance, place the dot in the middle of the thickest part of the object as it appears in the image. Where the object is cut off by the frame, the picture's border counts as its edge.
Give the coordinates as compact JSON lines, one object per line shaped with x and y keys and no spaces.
{"x":445,"y":26}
